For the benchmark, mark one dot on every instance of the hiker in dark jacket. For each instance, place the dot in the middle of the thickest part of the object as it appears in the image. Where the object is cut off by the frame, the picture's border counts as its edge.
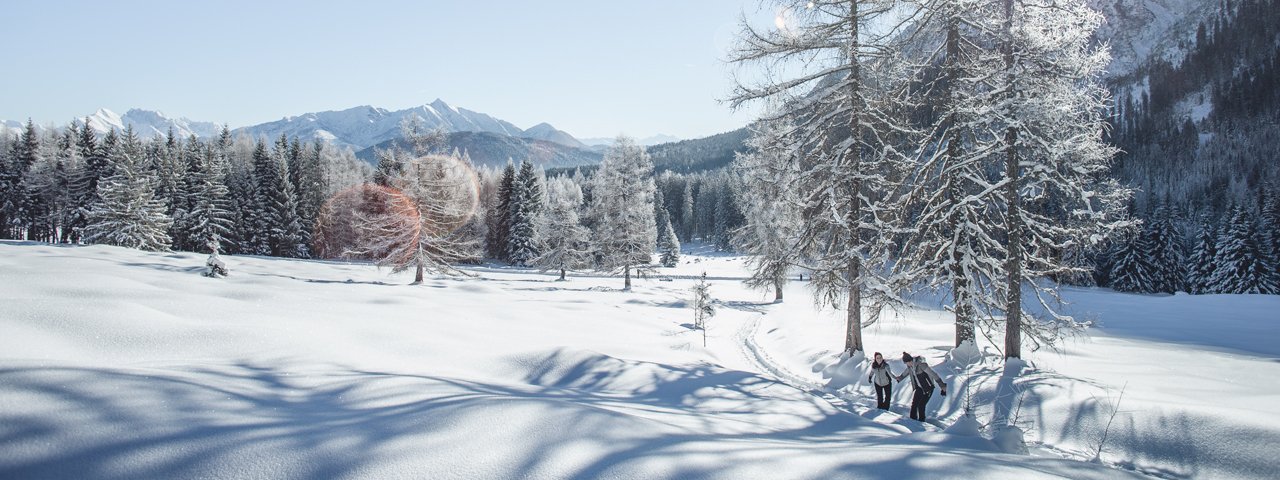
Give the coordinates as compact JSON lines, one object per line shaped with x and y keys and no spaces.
{"x":923,"y":380}
{"x":882,"y":378}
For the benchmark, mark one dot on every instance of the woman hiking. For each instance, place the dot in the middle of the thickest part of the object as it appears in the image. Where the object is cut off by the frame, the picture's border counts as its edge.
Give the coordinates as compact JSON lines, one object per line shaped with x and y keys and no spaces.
{"x":882,"y":378}
{"x":923,"y":380}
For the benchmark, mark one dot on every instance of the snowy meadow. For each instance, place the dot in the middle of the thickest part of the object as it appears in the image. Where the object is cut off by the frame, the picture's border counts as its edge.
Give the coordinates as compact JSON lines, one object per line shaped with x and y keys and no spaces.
{"x":118,"y":363}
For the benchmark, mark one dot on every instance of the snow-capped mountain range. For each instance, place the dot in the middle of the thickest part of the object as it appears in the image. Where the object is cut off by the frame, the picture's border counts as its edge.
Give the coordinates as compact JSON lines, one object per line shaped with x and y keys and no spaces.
{"x":359,"y":127}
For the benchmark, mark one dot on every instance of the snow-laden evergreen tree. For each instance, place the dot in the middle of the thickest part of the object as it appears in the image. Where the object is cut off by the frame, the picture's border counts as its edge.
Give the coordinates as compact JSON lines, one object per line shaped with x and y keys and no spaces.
{"x":424,"y":207}
{"x":128,"y":213}
{"x":1132,"y":269}
{"x":686,"y":212}
{"x":171,"y":170}
{"x":312,"y":189}
{"x":827,"y":73}
{"x":500,"y":227}
{"x":525,"y":215}
{"x":953,"y":240}
{"x":703,"y":306}
{"x":9,"y":181}
{"x":19,"y":203}
{"x":278,"y":230}
{"x":215,"y":267}
{"x":1269,"y":221}
{"x":669,"y":245}
{"x":207,"y":222}
{"x":84,"y":180}
{"x":1203,"y":260}
{"x":1047,"y":100}
{"x":1168,"y":256}
{"x":660,"y":215}
{"x":622,"y":209}
{"x":565,"y":242}
{"x":1244,"y":266}
{"x":771,"y":204}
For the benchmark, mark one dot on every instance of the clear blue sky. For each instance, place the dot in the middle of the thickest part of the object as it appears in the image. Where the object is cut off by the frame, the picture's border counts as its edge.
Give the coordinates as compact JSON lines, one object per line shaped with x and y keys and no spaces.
{"x":592,"y":68}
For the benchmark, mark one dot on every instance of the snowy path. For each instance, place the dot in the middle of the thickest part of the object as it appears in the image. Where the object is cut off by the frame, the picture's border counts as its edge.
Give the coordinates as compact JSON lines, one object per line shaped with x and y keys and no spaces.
{"x":851,"y":402}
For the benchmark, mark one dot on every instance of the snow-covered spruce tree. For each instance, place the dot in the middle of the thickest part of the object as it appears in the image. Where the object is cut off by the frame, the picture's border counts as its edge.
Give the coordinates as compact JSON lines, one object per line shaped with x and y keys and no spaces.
{"x":84,"y":180}
{"x":1202,"y":263}
{"x":622,"y":209}
{"x":128,"y":213}
{"x":424,"y":207}
{"x":19,"y":205}
{"x":660,"y":215}
{"x":1132,"y":269}
{"x":1269,"y":221}
{"x":1243,"y":264}
{"x":565,"y":243}
{"x":525,"y":215}
{"x":686,"y":212}
{"x":832,"y":81}
{"x":207,"y":221}
{"x":1048,"y":97}
{"x":669,"y":245}
{"x":8,"y":184}
{"x":277,"y":228}
{"x":703,"y":306}
{"x":1168,"y":256}
{"x":171,"y":169}
{"x":500,"y":226}
{"x":771,"y":204}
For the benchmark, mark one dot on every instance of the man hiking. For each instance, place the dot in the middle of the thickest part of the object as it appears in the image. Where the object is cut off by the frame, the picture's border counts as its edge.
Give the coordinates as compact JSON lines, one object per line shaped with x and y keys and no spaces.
{"x":923,"y":380}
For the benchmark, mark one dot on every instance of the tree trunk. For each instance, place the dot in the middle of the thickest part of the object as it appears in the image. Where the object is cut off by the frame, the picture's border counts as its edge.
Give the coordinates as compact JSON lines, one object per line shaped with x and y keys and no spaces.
{"x":417,"y":274}
{"x":777,"y":292}
{"x":561,"y":274}
{"x":960,"y":284}
{"x":853,"y":338}
{"x":1013,"y":309}
{"x":627,"y":275}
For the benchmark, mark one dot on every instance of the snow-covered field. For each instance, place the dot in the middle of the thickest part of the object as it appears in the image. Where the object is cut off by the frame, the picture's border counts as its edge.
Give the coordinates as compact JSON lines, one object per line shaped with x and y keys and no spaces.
{"x":122,"y":364}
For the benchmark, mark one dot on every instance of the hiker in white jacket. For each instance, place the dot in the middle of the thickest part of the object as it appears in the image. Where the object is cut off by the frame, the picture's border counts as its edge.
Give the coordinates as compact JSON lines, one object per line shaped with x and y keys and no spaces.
{"x":882,"y":378}
{"x":923,"y":380}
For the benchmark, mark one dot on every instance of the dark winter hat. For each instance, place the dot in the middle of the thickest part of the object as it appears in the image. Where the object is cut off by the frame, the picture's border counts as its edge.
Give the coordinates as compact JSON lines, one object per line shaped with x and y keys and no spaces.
{"x":906,"y":357}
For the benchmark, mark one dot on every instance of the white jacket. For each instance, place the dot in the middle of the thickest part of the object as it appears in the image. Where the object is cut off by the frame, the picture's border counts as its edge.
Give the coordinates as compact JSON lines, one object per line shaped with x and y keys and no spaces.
{"x":880,"y":376}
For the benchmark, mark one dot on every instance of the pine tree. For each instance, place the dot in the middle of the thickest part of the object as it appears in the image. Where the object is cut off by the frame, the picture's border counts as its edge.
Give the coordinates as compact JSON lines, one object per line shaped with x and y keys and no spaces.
{"x":129,"y":214}
{"x":1047,"y":100}
{"x":660,"y":216}
{"x":703,"y":306}
{"x":1131,"y":264}
{"x":525,"y":215}
{"x":771,"y":205}
{"x":1168,"y":256}
{"x":622,"y":209}
{"x":565,"y":242}
{"x":84,"y":180}
{"x":840,"y":117}
{"x":277,"y":228}
{"x":500,"y":230}
{"x":424,"y":207}
{"x":1203,"y":260}
{"x":1243,"y":265}
{"x":20,"y":205}
{"x":207,"y":222}
{"x":686,"y":212}
{"x":669,"y":245}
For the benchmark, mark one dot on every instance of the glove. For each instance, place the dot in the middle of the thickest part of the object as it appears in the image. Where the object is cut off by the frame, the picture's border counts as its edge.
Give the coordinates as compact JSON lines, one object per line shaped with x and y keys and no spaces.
{"x":944,"y":391}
